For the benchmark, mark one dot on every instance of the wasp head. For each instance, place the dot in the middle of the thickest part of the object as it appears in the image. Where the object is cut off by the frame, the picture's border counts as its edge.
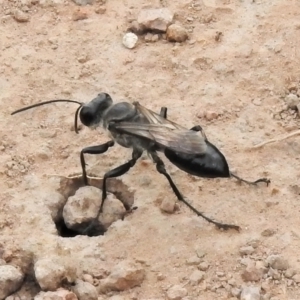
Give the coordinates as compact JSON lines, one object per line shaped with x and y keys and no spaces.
{"x":91,"y":113}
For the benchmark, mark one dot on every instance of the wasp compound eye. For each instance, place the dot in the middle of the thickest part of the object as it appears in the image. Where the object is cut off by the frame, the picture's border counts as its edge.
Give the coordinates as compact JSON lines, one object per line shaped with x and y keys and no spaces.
{"x":87,"y":115}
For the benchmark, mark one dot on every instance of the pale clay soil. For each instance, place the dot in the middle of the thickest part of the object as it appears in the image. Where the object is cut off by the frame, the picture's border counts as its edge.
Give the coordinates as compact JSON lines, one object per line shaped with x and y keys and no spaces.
{"x":242,"y":77}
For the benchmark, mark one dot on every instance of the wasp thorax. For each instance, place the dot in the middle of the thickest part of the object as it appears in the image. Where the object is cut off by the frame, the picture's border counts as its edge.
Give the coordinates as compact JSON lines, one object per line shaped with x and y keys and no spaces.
{"x":91,"y":113}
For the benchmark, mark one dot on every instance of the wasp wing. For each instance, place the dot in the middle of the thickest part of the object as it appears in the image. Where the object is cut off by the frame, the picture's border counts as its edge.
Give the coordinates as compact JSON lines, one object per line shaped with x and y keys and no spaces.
{"x":154,"y":118}
{"x":165,"y":136}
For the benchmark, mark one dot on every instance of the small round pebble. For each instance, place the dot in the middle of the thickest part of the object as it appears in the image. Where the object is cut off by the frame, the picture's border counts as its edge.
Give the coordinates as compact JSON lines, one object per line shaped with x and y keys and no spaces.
{"x":129,"y":40}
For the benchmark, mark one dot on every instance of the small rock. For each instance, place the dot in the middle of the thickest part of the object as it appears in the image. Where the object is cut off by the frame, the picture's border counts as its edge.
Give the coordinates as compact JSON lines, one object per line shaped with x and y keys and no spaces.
{"x":176,"y":292}
{"x":274,"y":274}
{"x":203,"y":266}
{"x":256,"y":101}
{"x":168,"y":205}
{"x":231,"y":282}
{"x":220,"y":274}
{"x":196,"y":277}
{"x":250,"y":293}
{"x":254,"y":243}
{"x":293,"y":86}
{"x":235,"y":292}
{"x":82,"y":207}
{"x":79,"y":14}
{"x":129,"y":40}
{"x":10,"y":280}
{"x":246,"y":250}
{"x":155,"y":38}
{"x":88,"y":278}
{"x":292,"y":101}
{"x":277,"y":262}
{"x":100,"y":10}
{"x":176,"y":33}
{"x":261,"y":265}
{"x":83,"y":2}
{"x":124,"y":276}
{"x":295,"y":189}
{"x":200,"y":253}
{"x":136,"y":28}
{"x":296,"y":278}
{"x":48,"y":134}
{"x":84,"y":290}
{"x":160,"y":277}
{"x":211,"y":115}
{"x":266,"y":296}
{"x":83,"y":59}
{"x":268,"y":232}
{"x":252,"y":274}
{"x":155,"y":19}
{"x":60,"y":294}
{"x":10,"y":165}
{"x":20,"y":16}
{"x":289,"y":273}
{"x":44,"y":152}
{"x":148,"y":37}
{"x":55,"y":203}
{"x":194,"y":260}
{"x":49,"y":274}
{"x":290,"y":282}
{"x":265,"y":286}
{"x":113,"y":210}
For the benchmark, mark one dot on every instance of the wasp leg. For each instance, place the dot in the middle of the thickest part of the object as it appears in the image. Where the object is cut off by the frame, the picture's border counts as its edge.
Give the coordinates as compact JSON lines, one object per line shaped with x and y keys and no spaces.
{"x":119,"y":171}
{"x":266,"y":180}
{"x":92,"y":150}
{"x":161,"y":169}
{"x":163,"y":112}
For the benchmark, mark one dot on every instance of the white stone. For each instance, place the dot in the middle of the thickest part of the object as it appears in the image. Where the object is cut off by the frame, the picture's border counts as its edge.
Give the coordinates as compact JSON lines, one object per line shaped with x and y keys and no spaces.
{"x":130,"y":40}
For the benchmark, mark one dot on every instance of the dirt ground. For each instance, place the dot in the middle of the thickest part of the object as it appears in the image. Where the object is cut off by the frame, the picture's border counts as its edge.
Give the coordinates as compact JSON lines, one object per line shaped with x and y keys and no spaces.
{"x":243,"y":77}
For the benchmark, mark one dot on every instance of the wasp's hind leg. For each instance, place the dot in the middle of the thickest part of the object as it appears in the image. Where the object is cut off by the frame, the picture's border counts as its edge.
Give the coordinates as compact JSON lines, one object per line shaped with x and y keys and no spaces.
{"x":162,"y":170}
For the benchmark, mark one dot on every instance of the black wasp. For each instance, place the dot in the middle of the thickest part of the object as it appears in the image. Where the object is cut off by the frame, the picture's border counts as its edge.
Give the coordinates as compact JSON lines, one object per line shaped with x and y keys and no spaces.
{"x":136,"y":127}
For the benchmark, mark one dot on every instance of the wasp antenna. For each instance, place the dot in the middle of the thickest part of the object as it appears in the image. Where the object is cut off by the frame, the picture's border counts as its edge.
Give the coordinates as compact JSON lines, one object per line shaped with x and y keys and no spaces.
{"x":46,"y":102}
{"x":76,"y":118}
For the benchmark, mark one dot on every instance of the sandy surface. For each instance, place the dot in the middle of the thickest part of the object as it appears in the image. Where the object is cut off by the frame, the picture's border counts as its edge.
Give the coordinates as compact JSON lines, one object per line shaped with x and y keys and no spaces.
{"x":243,"y":77}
